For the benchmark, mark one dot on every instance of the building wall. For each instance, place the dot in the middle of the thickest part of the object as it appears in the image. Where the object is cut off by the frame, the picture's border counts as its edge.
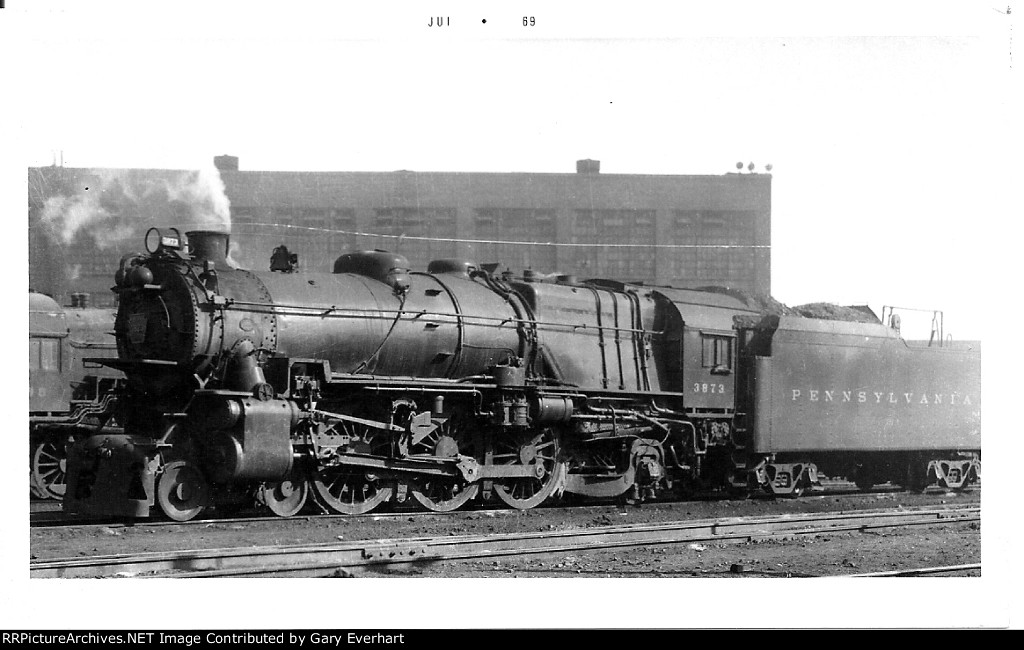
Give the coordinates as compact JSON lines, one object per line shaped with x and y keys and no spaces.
{"x":555,"y":223}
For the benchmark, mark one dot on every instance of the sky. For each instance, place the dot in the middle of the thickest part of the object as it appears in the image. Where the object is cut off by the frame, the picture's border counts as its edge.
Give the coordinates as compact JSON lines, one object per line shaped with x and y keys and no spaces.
{"x":892,"y":128}
{"x":883,"y":129}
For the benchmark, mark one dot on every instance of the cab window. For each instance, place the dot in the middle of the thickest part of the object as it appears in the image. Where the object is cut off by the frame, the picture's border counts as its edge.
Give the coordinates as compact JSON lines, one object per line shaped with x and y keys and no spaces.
{"x":44,"y":354}
{"x":717,"y":352}
{"x":50,"y":354}
{"x":34,"y":346}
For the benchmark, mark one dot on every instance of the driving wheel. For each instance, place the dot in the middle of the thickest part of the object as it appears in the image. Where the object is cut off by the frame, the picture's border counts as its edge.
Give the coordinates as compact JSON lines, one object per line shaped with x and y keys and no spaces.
{"x":539,"y":451}
{"x":451,"y":439}
{"x":349,"y":491}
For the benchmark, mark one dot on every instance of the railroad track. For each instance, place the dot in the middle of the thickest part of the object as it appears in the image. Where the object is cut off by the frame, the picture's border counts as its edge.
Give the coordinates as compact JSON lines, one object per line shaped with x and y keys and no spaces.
{"x":54,"y":518}
{"x":351,"y":558}
{"x":932,"y":570}
{"x":58,"y":521}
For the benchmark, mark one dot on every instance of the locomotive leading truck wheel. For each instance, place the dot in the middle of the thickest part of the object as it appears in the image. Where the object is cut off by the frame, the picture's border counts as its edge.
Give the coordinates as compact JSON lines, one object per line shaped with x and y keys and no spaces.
{"x":286,"y":497}
{"x":181,"y":491}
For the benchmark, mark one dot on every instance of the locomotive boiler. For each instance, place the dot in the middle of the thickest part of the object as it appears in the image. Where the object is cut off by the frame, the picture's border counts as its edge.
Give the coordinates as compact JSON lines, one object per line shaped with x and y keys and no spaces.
{"x":377,"y":384}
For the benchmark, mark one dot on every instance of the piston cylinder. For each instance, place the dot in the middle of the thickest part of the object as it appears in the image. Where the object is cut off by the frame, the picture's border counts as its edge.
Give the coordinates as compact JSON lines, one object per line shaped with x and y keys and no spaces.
{"x":261,"y":450}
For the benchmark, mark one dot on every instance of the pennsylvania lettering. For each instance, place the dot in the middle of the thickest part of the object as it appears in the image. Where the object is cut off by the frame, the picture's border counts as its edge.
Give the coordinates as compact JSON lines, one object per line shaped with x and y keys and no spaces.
{"x":876,"y":397}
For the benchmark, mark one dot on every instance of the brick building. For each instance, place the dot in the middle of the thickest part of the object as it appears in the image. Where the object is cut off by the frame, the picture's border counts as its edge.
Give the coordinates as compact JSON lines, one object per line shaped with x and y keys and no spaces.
{"x":708,"y":230}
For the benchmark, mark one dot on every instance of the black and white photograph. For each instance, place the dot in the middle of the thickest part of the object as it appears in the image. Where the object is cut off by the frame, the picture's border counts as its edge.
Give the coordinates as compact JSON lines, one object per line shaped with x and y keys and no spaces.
{"x":520,"y":316}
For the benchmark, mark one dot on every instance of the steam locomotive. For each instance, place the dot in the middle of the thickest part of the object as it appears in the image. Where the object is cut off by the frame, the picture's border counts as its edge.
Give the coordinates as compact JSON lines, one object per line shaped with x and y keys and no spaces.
{"x":69,"y":398}
{"x":377,"y":384}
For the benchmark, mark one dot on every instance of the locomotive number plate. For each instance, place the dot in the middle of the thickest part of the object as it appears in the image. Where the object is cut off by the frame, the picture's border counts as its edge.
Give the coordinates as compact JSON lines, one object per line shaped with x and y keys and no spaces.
{"x":137,"y":328}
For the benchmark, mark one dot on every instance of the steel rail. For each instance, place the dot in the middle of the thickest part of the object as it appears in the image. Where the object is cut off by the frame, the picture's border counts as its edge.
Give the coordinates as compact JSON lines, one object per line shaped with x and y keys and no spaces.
{"x":953,"y":568}
{"x":352,"y":557}
{"x":47,"y":524}
{"x":48,"y":519}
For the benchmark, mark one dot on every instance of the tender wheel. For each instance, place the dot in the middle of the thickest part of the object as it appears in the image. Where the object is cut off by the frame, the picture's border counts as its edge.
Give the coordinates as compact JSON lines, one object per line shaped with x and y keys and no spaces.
{"x":864,"y":478}
{"x":349,"y":491}
{"x":181,"y":491}
{"x":286,"y":497}
{"x":451,"y":439}
{"x":737,"y":484}
{"x":49,"y":467}
{"x":915,"y":478}
{"x":540,"y":451}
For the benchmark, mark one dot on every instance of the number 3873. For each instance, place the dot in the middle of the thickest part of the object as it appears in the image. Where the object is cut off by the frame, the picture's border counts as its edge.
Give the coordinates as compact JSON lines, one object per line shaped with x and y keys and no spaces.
{"x":709,"y":388}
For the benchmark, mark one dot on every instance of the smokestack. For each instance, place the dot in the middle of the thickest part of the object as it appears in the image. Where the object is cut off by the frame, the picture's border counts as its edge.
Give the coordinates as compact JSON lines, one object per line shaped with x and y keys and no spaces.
{"x":226,"y":163}
{"x":210,"y":245}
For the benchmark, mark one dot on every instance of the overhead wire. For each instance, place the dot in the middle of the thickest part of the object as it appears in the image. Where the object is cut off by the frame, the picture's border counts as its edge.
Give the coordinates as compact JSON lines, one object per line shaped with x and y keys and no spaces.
{"x":330,"y":231}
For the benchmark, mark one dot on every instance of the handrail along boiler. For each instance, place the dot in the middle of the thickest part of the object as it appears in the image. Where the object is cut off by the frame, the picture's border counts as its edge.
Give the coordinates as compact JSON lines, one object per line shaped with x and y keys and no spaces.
{"x":376,"y":383}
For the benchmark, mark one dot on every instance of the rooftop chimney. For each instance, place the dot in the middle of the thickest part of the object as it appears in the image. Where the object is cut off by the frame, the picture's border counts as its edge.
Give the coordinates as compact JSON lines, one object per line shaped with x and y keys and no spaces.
{"x":226,"y":163}
{"x":588,"y":166}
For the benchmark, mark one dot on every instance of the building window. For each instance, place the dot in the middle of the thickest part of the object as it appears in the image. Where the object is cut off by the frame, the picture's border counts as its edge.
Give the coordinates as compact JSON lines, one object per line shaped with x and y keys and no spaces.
{"x":721,"y":252}
{"x":436,"y":225}
{"x":631,"y":263}
{"x":319,"y":236}
{"x":497,"y":225}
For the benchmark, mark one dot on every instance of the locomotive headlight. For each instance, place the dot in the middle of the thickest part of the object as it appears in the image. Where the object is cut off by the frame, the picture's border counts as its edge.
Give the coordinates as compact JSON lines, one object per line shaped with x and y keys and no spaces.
{"x":170,"y":238}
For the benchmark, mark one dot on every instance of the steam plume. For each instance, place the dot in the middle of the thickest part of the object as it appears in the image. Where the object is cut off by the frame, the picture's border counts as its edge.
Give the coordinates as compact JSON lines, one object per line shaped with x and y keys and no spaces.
{"x":116,"y":207}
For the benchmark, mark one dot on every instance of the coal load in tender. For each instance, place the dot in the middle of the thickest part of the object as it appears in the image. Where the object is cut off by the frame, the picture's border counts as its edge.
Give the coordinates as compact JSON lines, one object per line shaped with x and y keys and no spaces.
{"x":771,"y":309}
{"x":828,"y":311}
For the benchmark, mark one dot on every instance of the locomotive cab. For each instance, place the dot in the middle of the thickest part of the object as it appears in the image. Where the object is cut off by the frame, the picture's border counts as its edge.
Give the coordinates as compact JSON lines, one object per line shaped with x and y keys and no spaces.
{"x":696,"y":330}
{"x":48,"y":355}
